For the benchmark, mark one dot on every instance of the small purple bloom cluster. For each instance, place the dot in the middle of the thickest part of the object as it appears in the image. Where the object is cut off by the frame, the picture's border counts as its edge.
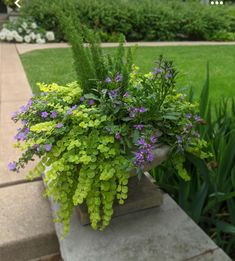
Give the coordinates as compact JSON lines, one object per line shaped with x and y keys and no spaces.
{"x":70,"y":111}
{"x":145,"y":153}
{"x":134,"y":111}
{"x":22,"y":134}
{"x":118,"y":78}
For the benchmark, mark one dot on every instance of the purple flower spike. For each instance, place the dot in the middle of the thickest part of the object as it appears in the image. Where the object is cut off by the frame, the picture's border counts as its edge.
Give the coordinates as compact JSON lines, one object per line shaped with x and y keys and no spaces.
{"x":153,"y":139}
{"x":30,"y":103}
{"x":168,"y":76}
{"x":188,"y":116}
{"x":139,"y":127}
{"x":44,"y":114}
{"x":108,"y":80}
{"x":141,"y":141}
{"x":24,"y":122}
{"x":150,"y":157}
{"x":117,"y":136}
{"x":20,"y":136}
{"x":118,"y":78}
{"x":59,"y":125}
{"x":12,"y":166}
{"x":14,"y":114}
{"x":197,"y":118}
{"x":36,"y":147}
{"x":54,"y":114}
{"x":91,"y":102}
{"x":125,"y":95}
{"x":23,"y":109}
{"x":142,"y":109}
{"x":48,"y":147}
{"x":82,"y":99}
{"x":112,"y":93}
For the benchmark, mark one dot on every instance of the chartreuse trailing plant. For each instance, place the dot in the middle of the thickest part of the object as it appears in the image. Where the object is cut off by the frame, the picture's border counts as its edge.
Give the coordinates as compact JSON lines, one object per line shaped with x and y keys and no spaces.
{"x":91,"y":133}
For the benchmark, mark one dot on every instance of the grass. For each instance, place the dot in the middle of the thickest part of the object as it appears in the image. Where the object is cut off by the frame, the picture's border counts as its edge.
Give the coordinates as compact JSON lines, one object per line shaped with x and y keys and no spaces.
{"x":56,"y":65}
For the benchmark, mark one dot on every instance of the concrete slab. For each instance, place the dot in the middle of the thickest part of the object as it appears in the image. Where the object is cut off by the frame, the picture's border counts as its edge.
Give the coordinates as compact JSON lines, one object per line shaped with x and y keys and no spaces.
{"x":216,"y":255}
{"x":26,"y":227}
{"x":14,"y":92}
{"x":165,"y":233}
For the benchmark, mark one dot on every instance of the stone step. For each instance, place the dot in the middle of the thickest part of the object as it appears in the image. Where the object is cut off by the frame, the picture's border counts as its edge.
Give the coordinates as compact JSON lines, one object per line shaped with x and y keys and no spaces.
{"x":26,"y":228}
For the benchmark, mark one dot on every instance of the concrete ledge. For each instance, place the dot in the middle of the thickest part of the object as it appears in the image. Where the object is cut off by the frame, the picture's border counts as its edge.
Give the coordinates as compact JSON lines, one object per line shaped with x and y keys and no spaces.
{"x":165,"y":233}
{"x":26,"y":227}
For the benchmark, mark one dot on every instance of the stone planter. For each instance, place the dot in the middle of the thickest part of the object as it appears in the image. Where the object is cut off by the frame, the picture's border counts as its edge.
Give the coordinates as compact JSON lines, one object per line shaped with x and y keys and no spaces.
{"x":142,"y":194}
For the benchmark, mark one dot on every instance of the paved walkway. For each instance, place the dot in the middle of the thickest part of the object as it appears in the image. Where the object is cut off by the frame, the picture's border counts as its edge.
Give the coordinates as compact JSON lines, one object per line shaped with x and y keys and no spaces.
{"x":23,"y":48}
{"x":26,"y":228}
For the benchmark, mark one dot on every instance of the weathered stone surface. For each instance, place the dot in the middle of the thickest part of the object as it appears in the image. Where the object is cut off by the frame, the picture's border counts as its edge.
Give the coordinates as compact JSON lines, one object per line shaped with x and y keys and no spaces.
{"x":26,"y":227}
{"x":216,"y":255}
{"x":164,"y":233}
{"x":142,"y":194}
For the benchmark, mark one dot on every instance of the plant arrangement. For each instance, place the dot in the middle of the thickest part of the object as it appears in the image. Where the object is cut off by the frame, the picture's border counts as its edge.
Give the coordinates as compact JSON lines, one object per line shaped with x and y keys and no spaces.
{"x":209,"y":199}
{"x":92,"y":133}
{"x":25,"y":30}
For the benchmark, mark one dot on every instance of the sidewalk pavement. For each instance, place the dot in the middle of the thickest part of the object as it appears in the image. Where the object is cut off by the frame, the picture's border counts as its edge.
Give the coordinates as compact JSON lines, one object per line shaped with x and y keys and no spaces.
{"x":24,"y":48}
{"x":26,"y":228}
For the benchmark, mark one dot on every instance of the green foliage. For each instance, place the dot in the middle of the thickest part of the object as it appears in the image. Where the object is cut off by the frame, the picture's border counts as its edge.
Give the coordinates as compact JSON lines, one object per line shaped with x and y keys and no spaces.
{"x":91,"y":134}
{"x":149,"y":20}
{"x":209,"y":198}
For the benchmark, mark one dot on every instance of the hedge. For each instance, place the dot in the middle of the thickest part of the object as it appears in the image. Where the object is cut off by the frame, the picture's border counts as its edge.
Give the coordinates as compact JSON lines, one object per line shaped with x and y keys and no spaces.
{"x":140,"y":20}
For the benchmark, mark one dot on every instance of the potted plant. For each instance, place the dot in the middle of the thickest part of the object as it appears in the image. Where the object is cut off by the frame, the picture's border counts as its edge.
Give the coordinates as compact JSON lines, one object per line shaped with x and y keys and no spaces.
{"x":92,"y":133}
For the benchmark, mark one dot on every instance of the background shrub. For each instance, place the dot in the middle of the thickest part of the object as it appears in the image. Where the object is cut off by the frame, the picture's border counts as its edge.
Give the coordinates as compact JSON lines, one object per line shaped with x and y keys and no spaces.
{"x":151,"y":20}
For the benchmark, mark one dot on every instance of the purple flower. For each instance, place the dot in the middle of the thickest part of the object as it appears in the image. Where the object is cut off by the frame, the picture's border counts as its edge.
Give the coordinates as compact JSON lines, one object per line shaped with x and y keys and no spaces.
{"x":70,"y":111}
{"x":47,"y":147}
{"x":74,"y":107}
{"x":23,"y":109}
{"x":44,"y":114}
{"x":153,"y":139}
{"x":91,"y":102}
{"x":197,"y":118}
{"x":21,"y":136}
{"x":108,"y":80}
{"x":117,"y":136}
{"x":168,"y":75}
{"x":54,"y":114}
{"x":59,"y":125}
{"x":188,"y":116}
{"x":118,"y":78}
{"x":12,"y":166}
{"x":30,"y":103}
{"x":24,"y":122}
{"x":82,"y":99}
{"x":141,"y":141}
{"x":138,"y":127}
{"x":14,"y":114}
{"x":157,"y":70}
{"x":112,"y":93}
{"x":142,"y":109}
{"x":150,"y":157}
{"x":125,"y":95}
{"x":36,"y":147}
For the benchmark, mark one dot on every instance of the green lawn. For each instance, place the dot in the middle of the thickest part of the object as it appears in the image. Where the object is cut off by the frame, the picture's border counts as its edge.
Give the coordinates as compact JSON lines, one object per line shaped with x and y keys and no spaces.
{"x":56,"y":65}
